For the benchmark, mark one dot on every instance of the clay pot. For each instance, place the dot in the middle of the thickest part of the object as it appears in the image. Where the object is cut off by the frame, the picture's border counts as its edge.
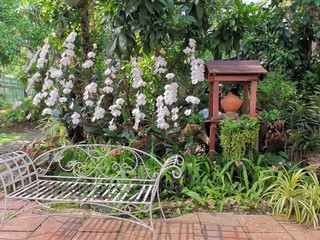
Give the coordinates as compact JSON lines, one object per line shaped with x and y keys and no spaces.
{"x":231,"y":103}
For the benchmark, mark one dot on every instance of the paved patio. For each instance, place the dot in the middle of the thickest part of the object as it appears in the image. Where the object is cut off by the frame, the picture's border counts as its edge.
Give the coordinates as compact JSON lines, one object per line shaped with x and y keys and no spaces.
{"x":195,"y":226}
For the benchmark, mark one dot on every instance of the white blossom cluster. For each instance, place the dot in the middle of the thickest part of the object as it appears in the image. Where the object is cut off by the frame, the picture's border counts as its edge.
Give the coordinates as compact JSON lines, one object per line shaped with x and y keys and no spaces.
{"x":197,"y":65}
{"x":110,"y":73}
{"x":115,"y":111}
{"x":116,"y":108}
{"x":67,"y":85}
{"x":75,"y":118}
{"x":138,"y":115}
{"x":69,"y":52}
{"x":90,"y":89}
{"x":160,"y":64}
{"x":136,"y":73}
{"x":171,"y":93}
{"x":162,"y":112}
{"x":98,"y":113}
{"x":32,"y":80}
{"x":43,"y":53}
{"x":192,"y":100}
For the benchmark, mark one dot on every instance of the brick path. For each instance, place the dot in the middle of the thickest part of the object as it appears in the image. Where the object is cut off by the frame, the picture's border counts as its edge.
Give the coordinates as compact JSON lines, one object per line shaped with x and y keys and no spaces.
{"x":194,"y":226}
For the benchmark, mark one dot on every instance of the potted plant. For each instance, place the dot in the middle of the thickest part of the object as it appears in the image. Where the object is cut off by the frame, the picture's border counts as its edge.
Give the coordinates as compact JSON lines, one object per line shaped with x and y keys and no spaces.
{"x":239,"y":137}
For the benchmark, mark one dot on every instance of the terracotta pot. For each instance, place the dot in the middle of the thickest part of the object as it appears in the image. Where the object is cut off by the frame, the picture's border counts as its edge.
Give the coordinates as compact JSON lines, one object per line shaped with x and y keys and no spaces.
{"x":231,"y":103}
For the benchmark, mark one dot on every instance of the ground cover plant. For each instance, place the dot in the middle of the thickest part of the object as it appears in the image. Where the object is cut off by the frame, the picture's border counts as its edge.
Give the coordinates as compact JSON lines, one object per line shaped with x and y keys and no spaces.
{"x":117,"y":72}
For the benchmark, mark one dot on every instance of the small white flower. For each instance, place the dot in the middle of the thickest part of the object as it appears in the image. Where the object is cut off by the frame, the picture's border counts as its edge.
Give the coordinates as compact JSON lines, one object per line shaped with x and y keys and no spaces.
{"x":108,"y":89}
{"x":108,"y":81}
{"x":91,"y":88}
{"x":98,"y":113}
{"x":187,"y":112}
{"x":94,"y":46}
{"x":170,"y":76}
{"x":55,"y":73}
{"x":120,"y":101}
{"x":141,"y":99}
{"x":87,"y":64}
{"x":91,"y":55}
{"x":69,"y":45}
{"x":89,"y":103}
{"x":65,"y":61}
{"x":115,"y":110}
{"x":47,"y":85}
{"x":28,"y":116}
{"x":75,"y":118}
{"x":193,"y":100}
{"x":71,"y":37}
{"x":16,"y":105}
{"x":46,"y":111}
{"x":112,"y":126}
{"x":63,"y":99}
{"x":66,"y":90}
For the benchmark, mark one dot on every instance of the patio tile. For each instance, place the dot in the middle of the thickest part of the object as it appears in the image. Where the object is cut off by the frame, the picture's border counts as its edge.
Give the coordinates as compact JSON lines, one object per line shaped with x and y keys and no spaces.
{"x":259,"y":224}
{"x":175,"y":227}
{"x":13,"y":204}
{"x":191,"y":217}
{"x":95,"y":236}
{"x":271,"y":236}
{"x":219,"y":218}
{"x":181,"y":237}
{"x":57,"y":227}
{"x":100,"y":225}
{"x":14,"y":235}
{"x":28,"y":224}
{"x":223,"y":232}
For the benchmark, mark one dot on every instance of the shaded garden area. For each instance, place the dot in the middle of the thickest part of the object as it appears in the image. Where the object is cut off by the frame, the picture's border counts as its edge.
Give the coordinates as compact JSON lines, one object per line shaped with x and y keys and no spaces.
{"x":133,"y":73}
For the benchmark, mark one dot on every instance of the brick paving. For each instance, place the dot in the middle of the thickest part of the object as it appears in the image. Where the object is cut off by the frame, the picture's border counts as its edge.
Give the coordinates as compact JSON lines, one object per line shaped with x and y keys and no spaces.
{"x":194,"y":226}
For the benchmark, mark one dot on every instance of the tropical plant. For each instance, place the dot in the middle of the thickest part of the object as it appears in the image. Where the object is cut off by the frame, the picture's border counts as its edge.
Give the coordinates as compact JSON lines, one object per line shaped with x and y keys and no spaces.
{"x":239,"y":137}
{"x":303,"y":128}
{"x":274,"y":91}
{"x":296,"y":192}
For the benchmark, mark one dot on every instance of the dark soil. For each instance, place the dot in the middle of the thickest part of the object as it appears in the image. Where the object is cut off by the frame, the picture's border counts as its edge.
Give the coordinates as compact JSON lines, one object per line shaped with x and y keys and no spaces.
{"x":25,"y":127}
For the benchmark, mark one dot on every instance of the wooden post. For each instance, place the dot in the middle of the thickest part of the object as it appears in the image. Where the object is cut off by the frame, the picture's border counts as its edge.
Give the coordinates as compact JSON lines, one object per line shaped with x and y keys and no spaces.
{"x":213,"y":133}
{"x":245,"y":97}
{"x":253,"y":99}
{"x":210,"y":97}
{"x":215,"y":100}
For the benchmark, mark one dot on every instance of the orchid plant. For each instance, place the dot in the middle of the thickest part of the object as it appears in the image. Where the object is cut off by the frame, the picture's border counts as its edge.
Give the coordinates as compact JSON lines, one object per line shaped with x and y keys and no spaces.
{"x":84,"y":97}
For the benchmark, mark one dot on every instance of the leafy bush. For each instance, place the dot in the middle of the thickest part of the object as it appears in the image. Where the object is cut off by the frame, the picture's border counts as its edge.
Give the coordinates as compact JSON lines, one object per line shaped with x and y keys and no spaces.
{"x":296,"y":192}
{"x":302,"y":127}
{"x":23,"y":111}
{"x":274,"y":91}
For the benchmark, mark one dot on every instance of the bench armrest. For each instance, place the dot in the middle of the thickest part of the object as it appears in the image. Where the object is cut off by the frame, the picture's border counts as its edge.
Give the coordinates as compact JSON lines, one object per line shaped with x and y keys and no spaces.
{"x":174,"y":162}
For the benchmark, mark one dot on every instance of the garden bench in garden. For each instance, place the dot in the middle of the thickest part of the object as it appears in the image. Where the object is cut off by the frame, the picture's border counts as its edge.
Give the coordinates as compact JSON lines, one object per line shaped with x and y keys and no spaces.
{"x":121,"y":179}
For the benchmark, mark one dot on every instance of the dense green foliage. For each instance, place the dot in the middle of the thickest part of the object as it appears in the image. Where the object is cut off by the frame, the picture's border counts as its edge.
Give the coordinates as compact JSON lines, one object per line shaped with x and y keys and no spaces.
{"x":284,"y":36}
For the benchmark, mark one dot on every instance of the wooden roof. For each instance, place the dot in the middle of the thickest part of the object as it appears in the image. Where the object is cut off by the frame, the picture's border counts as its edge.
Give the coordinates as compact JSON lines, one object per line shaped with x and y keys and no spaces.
{"x":235,"y":67}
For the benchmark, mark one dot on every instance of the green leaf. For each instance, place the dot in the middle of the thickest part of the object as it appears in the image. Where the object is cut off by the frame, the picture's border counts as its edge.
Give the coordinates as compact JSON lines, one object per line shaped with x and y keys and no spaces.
{"x":194,"y":196}
{"x":148,"y":6}
{"x":123,"y":42}
{"x":190,"y":18}
{"x":199,"y":11}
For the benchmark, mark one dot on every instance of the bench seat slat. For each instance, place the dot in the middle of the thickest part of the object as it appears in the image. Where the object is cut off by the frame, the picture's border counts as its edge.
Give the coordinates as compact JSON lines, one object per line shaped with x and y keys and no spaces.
{"x":65,"y":191}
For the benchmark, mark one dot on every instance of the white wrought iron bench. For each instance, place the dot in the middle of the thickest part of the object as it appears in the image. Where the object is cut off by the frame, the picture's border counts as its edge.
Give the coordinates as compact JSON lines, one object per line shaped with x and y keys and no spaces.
{"x":122,"y":179}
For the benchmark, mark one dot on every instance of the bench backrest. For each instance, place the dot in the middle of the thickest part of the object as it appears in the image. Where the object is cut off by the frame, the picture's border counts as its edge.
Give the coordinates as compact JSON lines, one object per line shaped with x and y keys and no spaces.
{"x":99,"y":161}
{"x":16,"y":170}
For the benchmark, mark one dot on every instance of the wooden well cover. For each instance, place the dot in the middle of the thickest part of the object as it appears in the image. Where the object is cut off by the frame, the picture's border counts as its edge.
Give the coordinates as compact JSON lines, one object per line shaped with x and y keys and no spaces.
{"x":235,"y":67}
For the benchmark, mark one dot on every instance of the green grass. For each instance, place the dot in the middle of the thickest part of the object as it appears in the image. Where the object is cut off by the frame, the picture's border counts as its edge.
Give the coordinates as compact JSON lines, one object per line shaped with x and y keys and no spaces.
{"x":11,"y":137}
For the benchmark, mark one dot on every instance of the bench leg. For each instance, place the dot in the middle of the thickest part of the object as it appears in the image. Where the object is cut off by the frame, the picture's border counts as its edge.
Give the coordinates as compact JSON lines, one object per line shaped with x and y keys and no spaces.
{"x":159,"y":203}
{"x":151,"y":224}
{"x":4,"y":211}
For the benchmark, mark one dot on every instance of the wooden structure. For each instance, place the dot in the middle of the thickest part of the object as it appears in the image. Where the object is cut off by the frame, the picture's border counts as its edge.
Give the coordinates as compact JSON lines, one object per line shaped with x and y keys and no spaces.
{"x":246,"y":72}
